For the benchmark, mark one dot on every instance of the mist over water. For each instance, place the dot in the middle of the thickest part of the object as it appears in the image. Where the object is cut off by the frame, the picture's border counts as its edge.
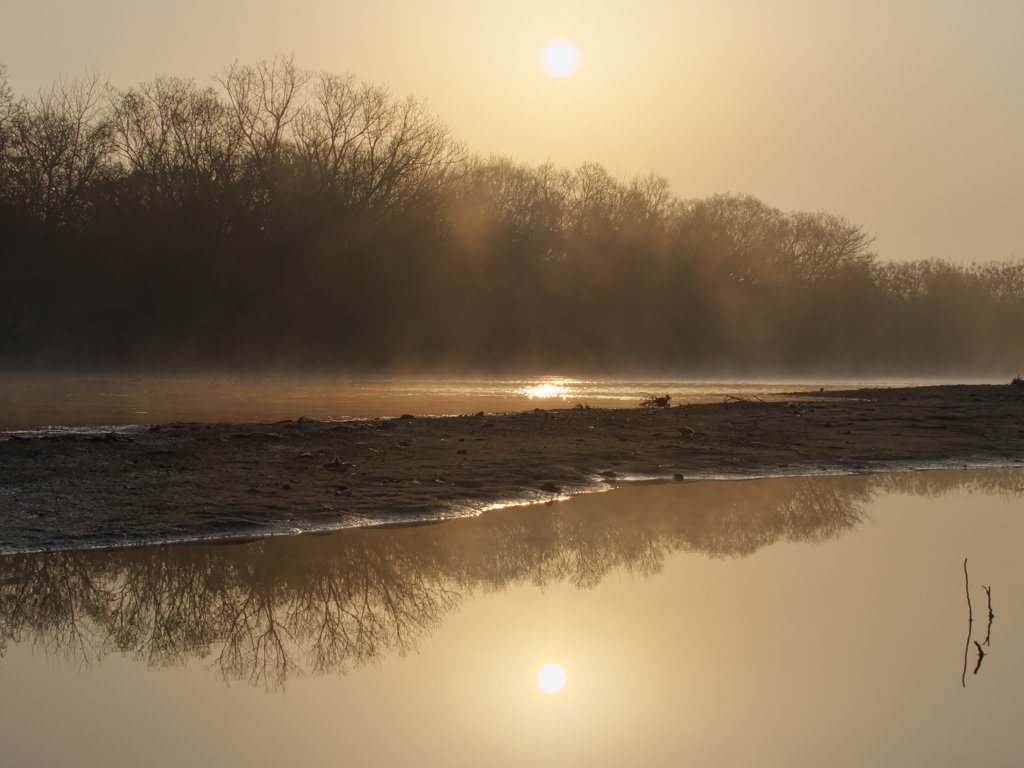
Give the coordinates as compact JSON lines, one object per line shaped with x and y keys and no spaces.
{"x":32,"y":401}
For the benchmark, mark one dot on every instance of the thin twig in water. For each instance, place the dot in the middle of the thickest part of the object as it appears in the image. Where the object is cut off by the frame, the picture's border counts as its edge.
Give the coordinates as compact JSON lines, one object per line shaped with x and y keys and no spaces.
{"x":970,"y":624}
{"x":967,"y":587}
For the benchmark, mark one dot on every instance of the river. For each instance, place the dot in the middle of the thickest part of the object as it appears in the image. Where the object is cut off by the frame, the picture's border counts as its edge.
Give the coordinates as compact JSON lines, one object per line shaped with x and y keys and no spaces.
{"x":779,"y":622}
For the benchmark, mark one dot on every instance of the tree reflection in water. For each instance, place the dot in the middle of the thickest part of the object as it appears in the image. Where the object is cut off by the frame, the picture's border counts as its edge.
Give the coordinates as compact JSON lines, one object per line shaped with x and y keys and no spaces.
{"x":270,"y":610}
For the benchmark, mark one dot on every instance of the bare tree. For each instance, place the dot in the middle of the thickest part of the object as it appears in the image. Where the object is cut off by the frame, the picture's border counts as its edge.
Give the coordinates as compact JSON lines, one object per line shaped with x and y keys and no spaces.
{"x":177,"y":138}
{"x":406,"y":155}
{"x":822,"y":245}
{"x":740,"y":233}
{"x":61,"y":146}
{"x":265,"y":100}
{"x":369,"y":156}
{"x":329,"y":132}
{"x":7,"y":110}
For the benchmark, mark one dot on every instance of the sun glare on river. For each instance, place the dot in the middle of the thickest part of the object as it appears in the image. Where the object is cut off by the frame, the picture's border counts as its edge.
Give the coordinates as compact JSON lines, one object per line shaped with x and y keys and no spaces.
{"x":551,"y":678}
{"x":550,"y":388}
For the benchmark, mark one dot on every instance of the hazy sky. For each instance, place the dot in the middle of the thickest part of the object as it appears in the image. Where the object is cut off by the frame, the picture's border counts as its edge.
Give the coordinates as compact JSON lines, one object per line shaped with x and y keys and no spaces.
{"x":905,"y":116}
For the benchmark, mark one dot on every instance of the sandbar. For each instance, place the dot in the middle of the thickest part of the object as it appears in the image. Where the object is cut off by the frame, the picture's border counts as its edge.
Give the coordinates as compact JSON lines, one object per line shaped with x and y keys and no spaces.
{"x":83,"y":489}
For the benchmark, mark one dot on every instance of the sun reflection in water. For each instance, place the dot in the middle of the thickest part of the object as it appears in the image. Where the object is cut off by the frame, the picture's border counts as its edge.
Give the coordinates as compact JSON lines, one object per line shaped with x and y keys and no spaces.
{"x":551,"y":678}
{"x":552,"y":388}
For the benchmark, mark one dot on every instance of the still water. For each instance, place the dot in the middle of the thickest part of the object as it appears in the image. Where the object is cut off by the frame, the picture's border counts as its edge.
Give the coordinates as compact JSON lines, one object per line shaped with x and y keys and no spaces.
{"x":33,"y":401}
{"x":782,"y":622}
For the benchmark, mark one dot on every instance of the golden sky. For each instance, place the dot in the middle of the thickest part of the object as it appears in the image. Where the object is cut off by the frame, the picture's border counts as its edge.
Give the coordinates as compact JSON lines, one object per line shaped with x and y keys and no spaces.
{"x":905,"y":116}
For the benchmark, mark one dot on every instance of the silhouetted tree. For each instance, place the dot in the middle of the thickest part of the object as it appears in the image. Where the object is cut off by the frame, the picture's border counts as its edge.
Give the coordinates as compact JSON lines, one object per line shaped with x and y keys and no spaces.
{"x":60,"y":150}
{"x":178,"y":146}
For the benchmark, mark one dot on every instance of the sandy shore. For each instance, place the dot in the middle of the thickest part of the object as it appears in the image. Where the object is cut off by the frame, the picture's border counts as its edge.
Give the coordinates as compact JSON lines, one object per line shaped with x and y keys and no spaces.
{"x":186,"y":481}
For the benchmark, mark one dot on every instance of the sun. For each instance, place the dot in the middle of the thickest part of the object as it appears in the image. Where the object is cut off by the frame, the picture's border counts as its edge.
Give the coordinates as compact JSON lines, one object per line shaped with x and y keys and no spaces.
{"x":551,"y":678}
{"x":560,"y":58}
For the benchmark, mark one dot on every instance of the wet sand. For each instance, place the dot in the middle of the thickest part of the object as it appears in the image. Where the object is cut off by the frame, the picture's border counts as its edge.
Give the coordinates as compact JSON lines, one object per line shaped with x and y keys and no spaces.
{"x":175,"y":482}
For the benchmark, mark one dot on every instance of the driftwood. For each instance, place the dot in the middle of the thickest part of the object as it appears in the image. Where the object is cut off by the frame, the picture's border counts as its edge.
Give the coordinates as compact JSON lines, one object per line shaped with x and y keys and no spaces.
{"x":654,"y":401}
{"x":734,"y":399}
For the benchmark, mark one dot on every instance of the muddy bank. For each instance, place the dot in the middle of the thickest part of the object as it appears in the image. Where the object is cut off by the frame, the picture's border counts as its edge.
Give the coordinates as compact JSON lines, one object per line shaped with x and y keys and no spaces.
{"x":65,"y":490}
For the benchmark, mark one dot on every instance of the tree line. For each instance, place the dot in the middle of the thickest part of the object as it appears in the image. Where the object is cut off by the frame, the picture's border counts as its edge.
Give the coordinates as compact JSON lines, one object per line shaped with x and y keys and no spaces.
{"x":280,"y":217}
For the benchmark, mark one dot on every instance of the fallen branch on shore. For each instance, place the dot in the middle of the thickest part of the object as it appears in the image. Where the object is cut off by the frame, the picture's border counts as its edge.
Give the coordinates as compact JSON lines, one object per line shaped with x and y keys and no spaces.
{"x":654,"y":401}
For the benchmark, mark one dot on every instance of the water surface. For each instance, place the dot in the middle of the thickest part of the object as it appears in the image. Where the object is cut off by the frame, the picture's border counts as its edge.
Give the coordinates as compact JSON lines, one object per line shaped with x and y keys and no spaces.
{"x":790,"y":622}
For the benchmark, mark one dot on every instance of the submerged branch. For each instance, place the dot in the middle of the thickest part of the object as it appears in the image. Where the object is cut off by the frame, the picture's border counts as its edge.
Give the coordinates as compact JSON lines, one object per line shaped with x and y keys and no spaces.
{"x":981,"y":655}
{"x":988,"y":635}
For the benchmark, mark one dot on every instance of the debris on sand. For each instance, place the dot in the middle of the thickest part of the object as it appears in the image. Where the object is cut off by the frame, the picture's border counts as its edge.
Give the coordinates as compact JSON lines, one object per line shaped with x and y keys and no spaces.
{"x":654,"y":401}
